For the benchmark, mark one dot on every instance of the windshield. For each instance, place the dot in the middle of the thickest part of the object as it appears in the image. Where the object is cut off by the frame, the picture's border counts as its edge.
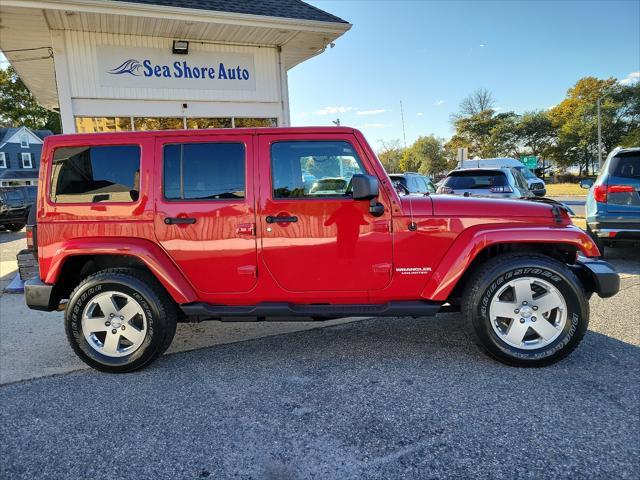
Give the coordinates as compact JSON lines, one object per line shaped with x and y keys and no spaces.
{"x":526,"y":173}
{"x":476,"y":180}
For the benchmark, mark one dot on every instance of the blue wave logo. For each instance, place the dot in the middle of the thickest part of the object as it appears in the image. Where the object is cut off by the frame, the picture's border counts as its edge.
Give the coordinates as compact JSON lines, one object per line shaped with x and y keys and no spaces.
{"x":131,"y":66}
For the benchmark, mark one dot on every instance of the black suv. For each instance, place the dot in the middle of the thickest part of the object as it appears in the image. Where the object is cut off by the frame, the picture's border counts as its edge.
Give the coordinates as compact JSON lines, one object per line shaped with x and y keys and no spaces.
{"x":15,"y":203}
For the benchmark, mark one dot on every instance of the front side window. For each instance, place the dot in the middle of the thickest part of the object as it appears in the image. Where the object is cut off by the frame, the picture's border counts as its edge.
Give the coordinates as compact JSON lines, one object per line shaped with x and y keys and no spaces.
{"x":96,"y":174}
{"x":26,"y":160}
{"x":204,"y":171}
{"x":312,"y":169}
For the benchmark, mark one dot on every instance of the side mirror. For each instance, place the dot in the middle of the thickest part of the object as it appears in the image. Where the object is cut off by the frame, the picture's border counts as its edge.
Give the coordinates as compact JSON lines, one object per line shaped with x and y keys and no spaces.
{"x":587,"y":183}
{"x":364,"y":187}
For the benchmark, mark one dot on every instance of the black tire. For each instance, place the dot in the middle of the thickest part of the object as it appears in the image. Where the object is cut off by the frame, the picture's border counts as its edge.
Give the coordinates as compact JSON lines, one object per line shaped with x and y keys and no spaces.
{"x":487,"y":281}
{"x":597,"y":240}
{"x":159,"y":309}
{"x":15,"y":227}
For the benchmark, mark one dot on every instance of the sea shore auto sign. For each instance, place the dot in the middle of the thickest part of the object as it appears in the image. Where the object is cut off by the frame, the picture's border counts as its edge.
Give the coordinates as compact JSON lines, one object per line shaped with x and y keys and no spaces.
{"x":156,"y":68}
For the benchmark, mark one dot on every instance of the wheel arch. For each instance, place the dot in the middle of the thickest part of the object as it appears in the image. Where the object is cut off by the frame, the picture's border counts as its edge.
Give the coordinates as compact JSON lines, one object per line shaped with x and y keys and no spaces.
{"x":76,"y":259}
{"x":472,"y":249}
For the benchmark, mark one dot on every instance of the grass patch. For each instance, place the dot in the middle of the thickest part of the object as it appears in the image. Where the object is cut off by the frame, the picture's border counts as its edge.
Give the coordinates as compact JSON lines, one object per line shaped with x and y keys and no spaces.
{"x":554,"y":189}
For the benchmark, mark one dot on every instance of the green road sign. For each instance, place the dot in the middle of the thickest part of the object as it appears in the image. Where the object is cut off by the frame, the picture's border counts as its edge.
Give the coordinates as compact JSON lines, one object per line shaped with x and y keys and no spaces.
{"x":530,"y":161}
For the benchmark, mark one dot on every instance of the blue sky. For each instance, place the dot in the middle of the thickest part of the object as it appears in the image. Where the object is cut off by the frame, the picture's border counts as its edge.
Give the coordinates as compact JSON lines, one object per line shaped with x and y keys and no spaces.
{"x":431,"y":54}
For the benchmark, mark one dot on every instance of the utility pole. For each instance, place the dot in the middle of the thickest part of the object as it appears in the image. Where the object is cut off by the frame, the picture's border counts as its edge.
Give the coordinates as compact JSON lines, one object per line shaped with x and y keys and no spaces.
{"x":599,"y":136}
{"x":404,"y":134}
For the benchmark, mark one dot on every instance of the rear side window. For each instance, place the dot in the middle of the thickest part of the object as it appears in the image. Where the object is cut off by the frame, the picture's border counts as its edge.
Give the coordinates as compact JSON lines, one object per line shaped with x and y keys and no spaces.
{"x":626,"y":166}
{"x":204,"y":171}
{"x":312,"y":169}
{"x":476,"y":180}
{"x":96,"y":174}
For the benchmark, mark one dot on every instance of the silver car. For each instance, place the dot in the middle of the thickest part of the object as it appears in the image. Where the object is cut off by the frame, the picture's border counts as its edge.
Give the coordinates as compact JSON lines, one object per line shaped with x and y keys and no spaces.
{"x":503,"y":182}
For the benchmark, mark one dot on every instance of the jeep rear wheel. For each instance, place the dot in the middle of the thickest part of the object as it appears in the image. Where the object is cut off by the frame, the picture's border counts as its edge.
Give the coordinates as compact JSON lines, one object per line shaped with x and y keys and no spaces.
{"x":119,"y":320}
{"x":525,"y":310}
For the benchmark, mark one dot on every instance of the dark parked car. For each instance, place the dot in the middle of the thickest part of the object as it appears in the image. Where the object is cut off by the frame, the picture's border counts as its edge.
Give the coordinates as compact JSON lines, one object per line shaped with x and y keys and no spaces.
{"x":413,"y":183}
{"x":15,"y":203}
{"x":613,"y":201}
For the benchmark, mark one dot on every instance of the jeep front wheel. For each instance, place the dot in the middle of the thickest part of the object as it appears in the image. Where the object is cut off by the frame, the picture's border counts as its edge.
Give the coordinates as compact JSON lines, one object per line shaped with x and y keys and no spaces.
{"x":119,"y":320}
{"x":525,"y":310}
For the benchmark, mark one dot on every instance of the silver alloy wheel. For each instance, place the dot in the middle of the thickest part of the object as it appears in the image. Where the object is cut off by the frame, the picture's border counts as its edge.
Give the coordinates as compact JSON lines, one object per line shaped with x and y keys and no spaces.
{"x":528,"y":313}
{"x":114,"y":324}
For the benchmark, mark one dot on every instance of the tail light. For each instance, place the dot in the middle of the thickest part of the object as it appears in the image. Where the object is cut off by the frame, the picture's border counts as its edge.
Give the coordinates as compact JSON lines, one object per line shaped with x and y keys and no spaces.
{"x":601,"y":192}
{"x":444,"y":189}
{"x":503,"y":189}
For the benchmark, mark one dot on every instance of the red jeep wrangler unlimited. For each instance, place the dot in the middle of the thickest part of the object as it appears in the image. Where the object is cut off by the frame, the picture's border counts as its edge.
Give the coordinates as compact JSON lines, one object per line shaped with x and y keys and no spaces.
{"x":138,"y":231}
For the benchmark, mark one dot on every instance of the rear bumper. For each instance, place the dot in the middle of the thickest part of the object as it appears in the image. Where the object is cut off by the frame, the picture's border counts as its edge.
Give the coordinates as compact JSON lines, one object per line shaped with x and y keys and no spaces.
{"x":598,"y":276}
{"x":40,"y":296}
{"x":616,"y":229}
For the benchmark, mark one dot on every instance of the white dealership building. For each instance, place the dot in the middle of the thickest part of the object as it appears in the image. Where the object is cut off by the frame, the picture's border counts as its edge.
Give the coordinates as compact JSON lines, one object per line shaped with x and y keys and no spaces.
{"x":111,"y":65}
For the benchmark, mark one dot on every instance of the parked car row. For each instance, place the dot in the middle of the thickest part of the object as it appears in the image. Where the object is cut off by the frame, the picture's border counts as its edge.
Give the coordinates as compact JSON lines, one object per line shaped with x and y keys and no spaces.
{"x":15,"y":203}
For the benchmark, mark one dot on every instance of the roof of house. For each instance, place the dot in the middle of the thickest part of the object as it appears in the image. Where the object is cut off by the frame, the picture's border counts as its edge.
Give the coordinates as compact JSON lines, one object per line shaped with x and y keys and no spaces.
{"x":13,"y":174}
{"x":270,"y":8}
{"x":7,"y":133}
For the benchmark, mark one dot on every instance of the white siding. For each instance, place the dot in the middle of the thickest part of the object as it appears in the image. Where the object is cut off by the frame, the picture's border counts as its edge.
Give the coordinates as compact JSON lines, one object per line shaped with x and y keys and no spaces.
{"x":85,"y":81}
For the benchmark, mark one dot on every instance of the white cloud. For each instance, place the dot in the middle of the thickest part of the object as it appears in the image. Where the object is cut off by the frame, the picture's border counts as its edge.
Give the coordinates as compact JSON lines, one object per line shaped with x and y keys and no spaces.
{"x":419,"y":114}
{"x":371,"y":112}
{"x":373,"y":125}
{"x":302,"y":115}
{"x":333,"y":110}
{"x":631,"y":78}
{"x":481,"y":45}
{"x":439,"y":102}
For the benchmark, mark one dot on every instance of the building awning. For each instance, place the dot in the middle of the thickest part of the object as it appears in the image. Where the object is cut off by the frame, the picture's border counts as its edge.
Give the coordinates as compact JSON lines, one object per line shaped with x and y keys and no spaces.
{"x":300,"y":30}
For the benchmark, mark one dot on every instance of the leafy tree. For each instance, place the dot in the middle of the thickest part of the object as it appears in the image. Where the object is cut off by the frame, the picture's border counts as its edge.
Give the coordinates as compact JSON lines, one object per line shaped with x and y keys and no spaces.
{"x":427,"y":155}
{"x":390,"y":155}
{"x":536,"y":133}
{"x":18,"y":107}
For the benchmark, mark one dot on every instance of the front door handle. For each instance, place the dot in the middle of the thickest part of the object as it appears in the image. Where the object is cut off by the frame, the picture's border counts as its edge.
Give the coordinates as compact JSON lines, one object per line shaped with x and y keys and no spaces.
{"x":272,"y":219}
{"x":179,"y":220}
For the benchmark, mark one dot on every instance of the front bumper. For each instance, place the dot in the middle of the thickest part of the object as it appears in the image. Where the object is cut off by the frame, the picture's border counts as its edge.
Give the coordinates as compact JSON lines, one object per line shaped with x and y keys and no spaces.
{"x":598,"y":276}
{"x":540,"y":192}
{"x":40,"y":296}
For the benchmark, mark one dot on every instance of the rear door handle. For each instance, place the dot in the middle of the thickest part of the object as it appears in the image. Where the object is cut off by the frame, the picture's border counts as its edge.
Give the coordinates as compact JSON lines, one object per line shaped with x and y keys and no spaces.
{"x":179,"y":220}
{"x":271,"y":219}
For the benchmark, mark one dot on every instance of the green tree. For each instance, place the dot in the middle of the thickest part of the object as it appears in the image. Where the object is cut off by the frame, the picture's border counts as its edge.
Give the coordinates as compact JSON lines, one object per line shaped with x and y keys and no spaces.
{"x":536,"y":133}
{"x":427,"y":155}
{"x":18,"y":107}
{"x":390,"y":155}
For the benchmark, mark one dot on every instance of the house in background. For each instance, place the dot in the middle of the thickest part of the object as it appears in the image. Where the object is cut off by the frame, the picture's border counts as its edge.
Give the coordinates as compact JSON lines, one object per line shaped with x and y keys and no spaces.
{"x":20,"y":150}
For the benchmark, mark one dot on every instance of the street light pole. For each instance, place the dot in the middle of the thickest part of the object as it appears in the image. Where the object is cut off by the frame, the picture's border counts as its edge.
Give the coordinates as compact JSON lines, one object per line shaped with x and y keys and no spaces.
{"x":599,"y":137}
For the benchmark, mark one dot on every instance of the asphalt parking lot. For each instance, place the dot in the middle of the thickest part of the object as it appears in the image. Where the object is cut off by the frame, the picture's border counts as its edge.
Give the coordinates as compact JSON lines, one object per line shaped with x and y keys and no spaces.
{"x":374,"y":398}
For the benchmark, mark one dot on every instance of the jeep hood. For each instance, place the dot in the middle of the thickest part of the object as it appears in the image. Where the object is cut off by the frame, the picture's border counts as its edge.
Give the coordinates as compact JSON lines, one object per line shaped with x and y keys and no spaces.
{"x":457,"y":206}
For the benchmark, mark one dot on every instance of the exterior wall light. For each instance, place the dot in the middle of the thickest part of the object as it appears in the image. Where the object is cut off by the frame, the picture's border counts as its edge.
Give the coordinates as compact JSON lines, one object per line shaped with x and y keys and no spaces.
{"x":180,"y":47}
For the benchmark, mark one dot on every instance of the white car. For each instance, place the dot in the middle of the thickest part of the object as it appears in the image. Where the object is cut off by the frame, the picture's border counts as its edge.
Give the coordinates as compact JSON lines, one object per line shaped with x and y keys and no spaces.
{"x":536,"y":184}
{"x":486,"y":182}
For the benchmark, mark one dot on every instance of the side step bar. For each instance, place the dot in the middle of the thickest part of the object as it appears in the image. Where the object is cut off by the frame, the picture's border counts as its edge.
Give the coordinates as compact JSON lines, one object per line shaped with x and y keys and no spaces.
{"x":284,"y":310}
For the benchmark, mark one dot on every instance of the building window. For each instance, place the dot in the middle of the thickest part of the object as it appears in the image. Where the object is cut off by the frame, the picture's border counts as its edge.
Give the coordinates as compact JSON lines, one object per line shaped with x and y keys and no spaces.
{"x":103,"y":124}
{"x":255,"y":122}
{"x":196,"y":123}
{"x":159,"y":123}
{"x":26,"y":160}
{"x":96,"y":174}
{"x":3,"y":160}
{"x":313,"y":169}
{"x":24,"y":140}
{"x":204,"y":171}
